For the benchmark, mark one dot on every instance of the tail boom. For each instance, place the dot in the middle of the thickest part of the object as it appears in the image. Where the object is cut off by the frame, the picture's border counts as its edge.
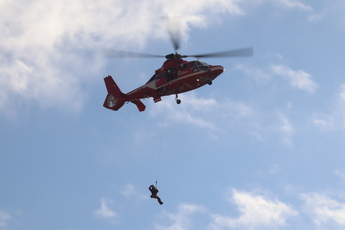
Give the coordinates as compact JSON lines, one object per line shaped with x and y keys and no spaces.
{"x":116,"y":99}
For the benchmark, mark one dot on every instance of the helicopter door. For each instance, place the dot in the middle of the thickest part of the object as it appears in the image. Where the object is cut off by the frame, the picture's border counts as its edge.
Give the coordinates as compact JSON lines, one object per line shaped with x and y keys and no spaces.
{"x":161,"y":79}
{"x":172,"y":74}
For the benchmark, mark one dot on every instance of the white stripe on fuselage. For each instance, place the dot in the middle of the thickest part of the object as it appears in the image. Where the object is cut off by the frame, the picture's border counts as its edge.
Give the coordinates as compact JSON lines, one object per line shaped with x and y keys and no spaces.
{"x":152,"y":84}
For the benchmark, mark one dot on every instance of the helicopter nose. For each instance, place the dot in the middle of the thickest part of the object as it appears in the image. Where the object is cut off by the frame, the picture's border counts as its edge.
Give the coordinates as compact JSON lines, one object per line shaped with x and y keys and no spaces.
{"x":218,"y":69}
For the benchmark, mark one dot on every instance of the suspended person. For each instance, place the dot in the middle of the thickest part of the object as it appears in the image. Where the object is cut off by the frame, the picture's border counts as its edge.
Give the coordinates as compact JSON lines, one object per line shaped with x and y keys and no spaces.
{"x":153,"y":189}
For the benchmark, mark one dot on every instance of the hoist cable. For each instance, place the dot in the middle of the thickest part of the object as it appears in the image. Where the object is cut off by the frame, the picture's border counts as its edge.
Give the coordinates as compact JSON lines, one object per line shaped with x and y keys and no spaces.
{"x":160,"y":146}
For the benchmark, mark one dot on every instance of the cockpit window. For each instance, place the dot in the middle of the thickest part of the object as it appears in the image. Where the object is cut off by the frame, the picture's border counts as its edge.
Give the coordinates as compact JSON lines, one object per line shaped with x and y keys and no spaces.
{"x":183,"y":66}
{"x":193,"y":66}
{"x":202,"y":65}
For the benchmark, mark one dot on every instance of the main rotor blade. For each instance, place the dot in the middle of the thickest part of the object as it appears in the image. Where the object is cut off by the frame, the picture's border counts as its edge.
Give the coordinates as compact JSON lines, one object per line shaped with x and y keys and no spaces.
{"x":244,"y":52}
{"x":110,"y":53}
{"x":173,"y":26}
{"x":175,"y":40}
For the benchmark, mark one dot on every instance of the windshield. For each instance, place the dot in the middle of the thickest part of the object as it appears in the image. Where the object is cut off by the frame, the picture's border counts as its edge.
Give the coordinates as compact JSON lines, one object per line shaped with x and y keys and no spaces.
{"x":202,"y":65}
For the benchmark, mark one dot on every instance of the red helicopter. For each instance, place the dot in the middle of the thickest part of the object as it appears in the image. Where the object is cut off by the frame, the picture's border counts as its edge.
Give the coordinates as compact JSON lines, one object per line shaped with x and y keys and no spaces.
{"x":176,"y":76}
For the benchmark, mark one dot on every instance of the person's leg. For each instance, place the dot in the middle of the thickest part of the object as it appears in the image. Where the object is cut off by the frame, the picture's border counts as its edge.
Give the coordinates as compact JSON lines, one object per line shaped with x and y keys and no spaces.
{"x":159,"y":200}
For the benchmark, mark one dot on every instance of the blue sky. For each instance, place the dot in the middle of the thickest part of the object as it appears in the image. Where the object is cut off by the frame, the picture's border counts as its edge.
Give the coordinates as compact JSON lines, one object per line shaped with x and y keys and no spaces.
{"x":262,"y":148}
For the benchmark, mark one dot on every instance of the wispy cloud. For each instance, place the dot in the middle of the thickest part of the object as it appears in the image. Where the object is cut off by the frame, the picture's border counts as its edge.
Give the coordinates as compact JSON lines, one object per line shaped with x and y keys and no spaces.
{"x":182,"y":220}
{"x":202,"y":112}
{"x":130,"y":191}
{"x":106,"y":213}
{"x":218,"y":115}
{"x":261,"y":76}
{"x":295,"y":4}
{"x":297,"y":78}
{"x":340,"y":173}
{"x":329,"y":10}
{"x":323,"y":209}
{"x":333,"y":120}
{"x":284,"y":127}
{"x":325,"y":121}
{"x":316,"y":17}
{"x":284,"y":4}
{"x":4,"y":218}
{"x":273,"y":169}
{"x":255,"y":211}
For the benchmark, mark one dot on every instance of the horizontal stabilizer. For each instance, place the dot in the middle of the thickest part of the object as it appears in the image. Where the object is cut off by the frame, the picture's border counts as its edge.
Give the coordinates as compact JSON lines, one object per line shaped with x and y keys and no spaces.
{"x":139,"y":104}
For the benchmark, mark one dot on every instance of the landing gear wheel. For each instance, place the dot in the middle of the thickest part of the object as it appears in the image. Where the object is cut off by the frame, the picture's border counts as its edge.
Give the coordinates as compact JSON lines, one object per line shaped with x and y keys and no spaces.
{"x":178,"y":101}
{"x":209,"y":82}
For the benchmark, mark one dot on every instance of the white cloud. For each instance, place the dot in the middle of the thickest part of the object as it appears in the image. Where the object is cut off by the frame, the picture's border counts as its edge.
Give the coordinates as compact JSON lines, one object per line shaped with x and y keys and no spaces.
{"x":190,"y":111}
{"x":325,"y":121}
{"x":270,"y":170}
{"x":182,"y":220}
{"x":340,"y":173}
{"x":106,"y":213}
{"x":261,"y":76}
{"x":278,"y":124}
{"x":298,"y":79}
{"x":4,"y":218}
{"x":130,"y":191}
{"x":335,"y":119}
{"x":342,"y":93}
{"x":284,"y":127}
{"x":256,"y":211}
{"x":202,"y":112}
{"x":286,"y":4}
{"x":184,"y":112}
{"x":46,"y":46}
{"x":295,"y":4}
{"x":331,"y":10}
{"x":274,"y":169}
{"x":316,"y":17}
{"x":323,"y":209}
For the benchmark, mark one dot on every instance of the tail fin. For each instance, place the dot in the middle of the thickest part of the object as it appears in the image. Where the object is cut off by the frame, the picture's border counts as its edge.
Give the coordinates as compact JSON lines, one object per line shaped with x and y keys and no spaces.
{"x":116,"y":99}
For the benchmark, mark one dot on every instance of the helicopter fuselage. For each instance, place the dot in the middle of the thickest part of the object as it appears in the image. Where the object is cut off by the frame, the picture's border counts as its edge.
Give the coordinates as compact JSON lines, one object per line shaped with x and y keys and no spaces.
{"x":176,"y":76}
